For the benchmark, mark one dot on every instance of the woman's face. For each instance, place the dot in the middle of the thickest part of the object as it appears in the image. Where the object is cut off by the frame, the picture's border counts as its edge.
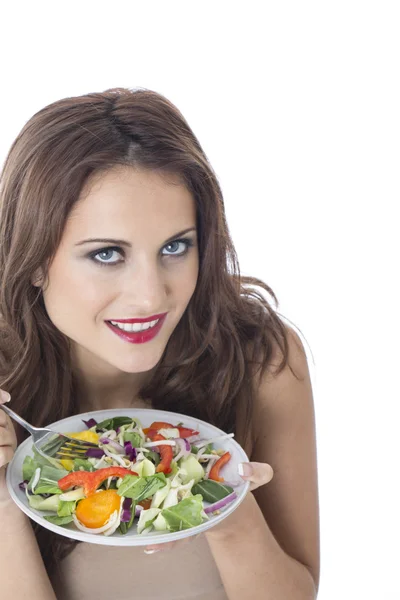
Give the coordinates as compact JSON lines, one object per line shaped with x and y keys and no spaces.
{"x":142,"y":270}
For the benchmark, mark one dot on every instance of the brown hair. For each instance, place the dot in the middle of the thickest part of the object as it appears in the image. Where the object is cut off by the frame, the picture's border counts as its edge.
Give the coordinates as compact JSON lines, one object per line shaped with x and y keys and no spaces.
{"x":206,"y":369}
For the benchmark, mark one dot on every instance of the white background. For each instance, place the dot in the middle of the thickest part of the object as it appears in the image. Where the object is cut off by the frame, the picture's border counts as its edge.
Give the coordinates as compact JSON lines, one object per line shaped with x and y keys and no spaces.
{"x":297,"y":106}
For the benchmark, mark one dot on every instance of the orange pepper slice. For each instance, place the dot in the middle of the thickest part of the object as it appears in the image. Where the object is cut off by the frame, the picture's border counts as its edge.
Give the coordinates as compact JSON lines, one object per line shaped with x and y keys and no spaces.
{"x":94,"y":511}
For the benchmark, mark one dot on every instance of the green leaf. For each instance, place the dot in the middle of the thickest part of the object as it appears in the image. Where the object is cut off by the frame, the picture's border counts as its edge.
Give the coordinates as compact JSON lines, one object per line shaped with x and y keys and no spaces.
{"x":82,"y":462}
{"x":212,"y":491}
{"x":66,"y":508}
{"x":130,"y":485}
{"x":134,"y":438}
{"x":185,"y":514}
{"x":48,"y":481}
{"x":124,"y":527}
{"x":40,"y":503}
{"x":29,"y":466}
{"x":42,"y":460}
{"x":153,"y":483}
{"x":140,"y":488}
{"x":44,"y":488}
{"x":153,"y":456}
{"x":59,"y":520}
{"x":113,"y":423}
{"x":208,"y":449}
{"x":174,"y":469}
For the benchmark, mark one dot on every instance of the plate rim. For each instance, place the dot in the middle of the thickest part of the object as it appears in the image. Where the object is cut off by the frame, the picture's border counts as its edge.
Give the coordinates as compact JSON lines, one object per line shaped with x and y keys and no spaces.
{"x":135,"y":539}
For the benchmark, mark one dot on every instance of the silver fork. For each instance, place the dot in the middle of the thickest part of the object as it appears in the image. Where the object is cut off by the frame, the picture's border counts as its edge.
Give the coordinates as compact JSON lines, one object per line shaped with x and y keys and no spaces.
{"x":52,"y":444}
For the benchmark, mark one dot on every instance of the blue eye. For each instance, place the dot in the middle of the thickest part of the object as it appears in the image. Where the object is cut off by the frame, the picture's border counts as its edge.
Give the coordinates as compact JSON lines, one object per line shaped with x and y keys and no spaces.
{"x":186,"y":242}
{"x":104,"y":256}
{"x":106,"y":253}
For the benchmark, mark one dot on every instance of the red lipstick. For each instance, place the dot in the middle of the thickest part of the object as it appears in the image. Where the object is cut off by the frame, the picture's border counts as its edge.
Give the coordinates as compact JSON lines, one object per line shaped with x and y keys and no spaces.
{"x":137,"y":337}
{"x":144,"y":320}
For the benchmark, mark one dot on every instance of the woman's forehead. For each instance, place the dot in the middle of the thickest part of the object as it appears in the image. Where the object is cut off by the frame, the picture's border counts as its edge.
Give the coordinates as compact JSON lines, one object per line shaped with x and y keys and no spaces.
{"x":132,"y":201}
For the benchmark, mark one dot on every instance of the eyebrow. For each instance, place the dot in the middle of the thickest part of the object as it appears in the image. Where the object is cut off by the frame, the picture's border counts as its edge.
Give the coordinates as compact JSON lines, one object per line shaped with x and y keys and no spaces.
{"x":125,"y":243}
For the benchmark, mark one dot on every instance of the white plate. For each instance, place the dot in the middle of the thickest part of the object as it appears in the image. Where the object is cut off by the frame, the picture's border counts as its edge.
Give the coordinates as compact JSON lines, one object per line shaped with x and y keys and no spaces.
{"x":131,"y":538}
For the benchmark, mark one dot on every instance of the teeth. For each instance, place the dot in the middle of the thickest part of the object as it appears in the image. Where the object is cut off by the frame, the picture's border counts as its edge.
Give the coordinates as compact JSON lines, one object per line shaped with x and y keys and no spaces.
{"x":135,"y":327}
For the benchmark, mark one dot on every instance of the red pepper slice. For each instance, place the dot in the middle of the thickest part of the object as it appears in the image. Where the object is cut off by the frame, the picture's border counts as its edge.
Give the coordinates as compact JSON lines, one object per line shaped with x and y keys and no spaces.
{"x":184,"y":432}
{"x":91,"y":480}
{"x":214,"y":473}
{"x":164,"y":466}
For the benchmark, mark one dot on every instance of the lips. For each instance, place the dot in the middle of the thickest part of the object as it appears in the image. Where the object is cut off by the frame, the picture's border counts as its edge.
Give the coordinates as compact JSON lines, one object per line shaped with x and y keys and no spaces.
{"x":142,"y":320}
{"x":138,"y":337}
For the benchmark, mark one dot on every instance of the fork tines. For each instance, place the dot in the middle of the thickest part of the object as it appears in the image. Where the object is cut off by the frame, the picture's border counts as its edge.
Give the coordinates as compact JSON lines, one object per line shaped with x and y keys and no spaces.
{"x":71,"y":450}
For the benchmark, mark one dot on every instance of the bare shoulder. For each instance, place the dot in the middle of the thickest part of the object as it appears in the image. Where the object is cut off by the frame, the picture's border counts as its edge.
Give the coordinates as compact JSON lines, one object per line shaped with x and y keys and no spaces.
{"x":285,"y":438}
{"x":271,"y":387}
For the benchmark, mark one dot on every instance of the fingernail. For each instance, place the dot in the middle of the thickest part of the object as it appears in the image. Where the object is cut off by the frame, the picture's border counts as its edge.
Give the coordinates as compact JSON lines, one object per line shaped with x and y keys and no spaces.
{"x":245,"y":469}
{"x":151,"y":551}
{"x":5,"y":396}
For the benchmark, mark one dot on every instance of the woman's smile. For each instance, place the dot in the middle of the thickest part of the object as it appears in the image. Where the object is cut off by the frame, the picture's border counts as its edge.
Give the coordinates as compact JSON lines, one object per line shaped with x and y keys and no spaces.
{"x":137,"y":333}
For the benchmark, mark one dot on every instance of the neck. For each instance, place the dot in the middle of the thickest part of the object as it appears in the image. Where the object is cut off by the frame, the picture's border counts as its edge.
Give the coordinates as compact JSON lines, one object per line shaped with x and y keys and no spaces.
{"x":102,"y":386}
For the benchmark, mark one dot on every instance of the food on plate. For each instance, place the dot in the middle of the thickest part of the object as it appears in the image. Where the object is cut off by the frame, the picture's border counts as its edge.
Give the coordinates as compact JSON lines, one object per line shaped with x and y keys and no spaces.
{"x":158,"y":478}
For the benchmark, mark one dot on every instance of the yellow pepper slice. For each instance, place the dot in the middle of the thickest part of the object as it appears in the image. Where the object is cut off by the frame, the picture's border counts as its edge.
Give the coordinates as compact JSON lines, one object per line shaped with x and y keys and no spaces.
{"x":67,"y":463}
{"x":86,"y":436}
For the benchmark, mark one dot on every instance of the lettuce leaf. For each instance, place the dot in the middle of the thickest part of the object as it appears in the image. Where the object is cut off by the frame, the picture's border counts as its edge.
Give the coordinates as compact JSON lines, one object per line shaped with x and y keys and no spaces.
{"x":211,"y":490}
{"x":66,"y":508}
{"x":29,"y":466}
{"x":140,"y":488}
{"x":48,"y":482}
{"x":114,"y":422}
{"x":186,"y":514}
{"x":82,"y":462}
{"x":134,"y":438}
{"x":39,"y":503}
{"x":59,"y":520}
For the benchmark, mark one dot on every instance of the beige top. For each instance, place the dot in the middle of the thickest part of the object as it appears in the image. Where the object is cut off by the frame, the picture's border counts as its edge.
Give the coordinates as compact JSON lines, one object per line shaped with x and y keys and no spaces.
{"x":185,"y":572}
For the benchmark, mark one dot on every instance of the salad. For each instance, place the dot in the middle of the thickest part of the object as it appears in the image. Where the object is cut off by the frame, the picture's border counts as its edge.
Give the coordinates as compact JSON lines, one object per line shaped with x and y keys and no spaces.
{"x":163,"y":478}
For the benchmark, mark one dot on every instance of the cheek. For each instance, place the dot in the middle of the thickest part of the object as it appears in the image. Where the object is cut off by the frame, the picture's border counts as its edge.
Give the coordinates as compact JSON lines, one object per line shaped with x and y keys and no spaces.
{"x":186,"y":279}
{"x":72,"y":295}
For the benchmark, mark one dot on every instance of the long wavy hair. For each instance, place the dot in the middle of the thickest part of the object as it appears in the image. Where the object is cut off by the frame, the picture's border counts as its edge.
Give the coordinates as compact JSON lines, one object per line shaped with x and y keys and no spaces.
{"x":228,"y":328}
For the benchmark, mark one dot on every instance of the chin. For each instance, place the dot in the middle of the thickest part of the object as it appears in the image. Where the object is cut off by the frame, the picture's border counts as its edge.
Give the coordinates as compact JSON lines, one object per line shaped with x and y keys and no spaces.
{"x":138,"y":366}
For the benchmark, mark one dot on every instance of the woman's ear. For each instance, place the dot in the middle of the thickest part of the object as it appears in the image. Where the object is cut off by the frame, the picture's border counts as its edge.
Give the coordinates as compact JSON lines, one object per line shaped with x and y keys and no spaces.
{"x":37,"y":278}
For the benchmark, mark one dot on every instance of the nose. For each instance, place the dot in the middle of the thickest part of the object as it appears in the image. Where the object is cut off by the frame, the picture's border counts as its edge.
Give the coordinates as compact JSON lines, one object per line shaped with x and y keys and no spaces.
{"x":145,"y":289}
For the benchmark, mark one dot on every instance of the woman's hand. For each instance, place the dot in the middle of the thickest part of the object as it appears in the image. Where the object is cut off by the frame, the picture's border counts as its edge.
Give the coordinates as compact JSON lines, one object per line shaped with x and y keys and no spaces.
{"x":8,"y":444}
{"x":257,"y":474}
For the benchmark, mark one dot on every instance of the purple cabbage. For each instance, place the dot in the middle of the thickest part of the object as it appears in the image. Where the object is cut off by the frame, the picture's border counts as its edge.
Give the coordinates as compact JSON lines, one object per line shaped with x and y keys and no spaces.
{"x":95,"y":453}
{"x":90,"y":423}
{"x":126,"y":510}
{"x":130,"y":451}
{"x":23,"y":485}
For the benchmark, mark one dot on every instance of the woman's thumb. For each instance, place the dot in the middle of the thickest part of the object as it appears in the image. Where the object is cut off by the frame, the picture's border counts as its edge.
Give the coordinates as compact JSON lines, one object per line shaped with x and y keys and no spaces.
{"x":4,"y":397}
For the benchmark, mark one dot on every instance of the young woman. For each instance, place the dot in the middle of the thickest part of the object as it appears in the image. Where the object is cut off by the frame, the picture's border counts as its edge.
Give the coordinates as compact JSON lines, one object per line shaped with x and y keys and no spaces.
{"x":110,"y":210}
